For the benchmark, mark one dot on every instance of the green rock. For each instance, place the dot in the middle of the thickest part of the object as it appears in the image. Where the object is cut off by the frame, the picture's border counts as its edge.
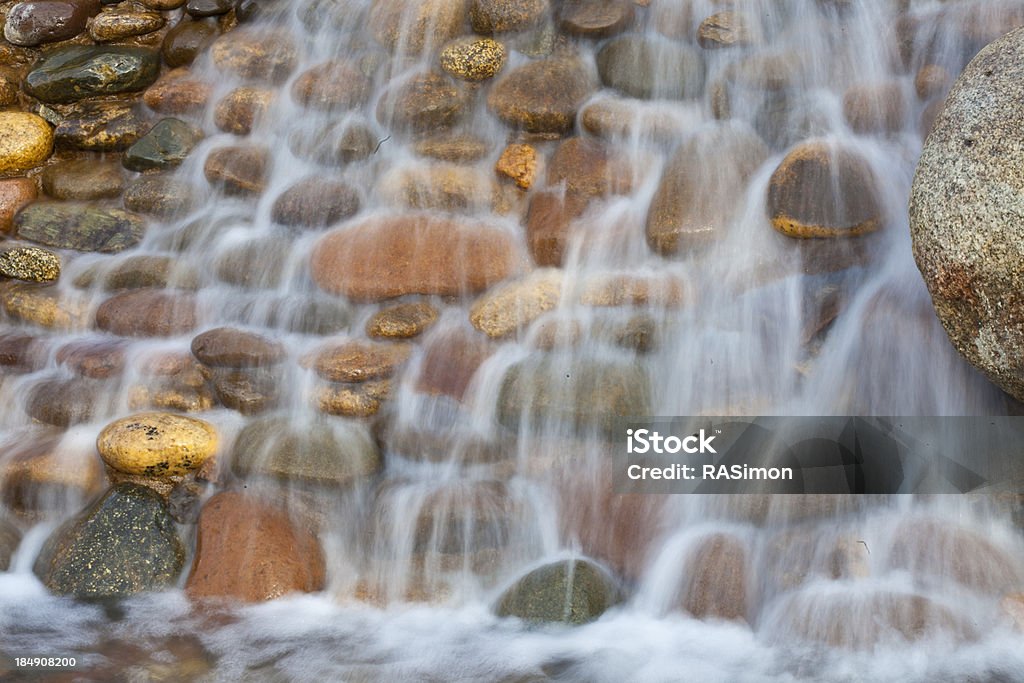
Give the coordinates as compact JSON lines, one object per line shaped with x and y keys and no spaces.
{"x":324,"y":451}
{"x":9,"y":539}
{"x":75,"y":73}
{"x":79,"y":226}
{"x":100,"y":127}
{"x":30,"y":263}
{"x":165,"y":146}
{"x":582,"y":393}
{"x":124,"y":544}
{"x":570,"y":592}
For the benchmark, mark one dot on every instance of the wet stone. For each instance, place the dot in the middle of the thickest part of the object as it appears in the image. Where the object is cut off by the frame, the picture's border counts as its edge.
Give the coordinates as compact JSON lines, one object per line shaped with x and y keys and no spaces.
{"x":542,"y":96}
{"x":574,"y":593}
{"x":259,"y":263}
{"x":595,"y":18}
{"x":316,"y":202}
{"x":165,"y":146}
{"x":499,"y":16}
{"x":35,"y":22}
{"x":353,"y":400}
{"x":725,"y":29}
{"x":26,"y":141}
{"x":238,"y":170}
{"x":44,"y":306}
{"x":64,"y":402}
{"x":83,"y":179}
{"x":177,"y":92}
{"x":359,"y":361}
{"x":101,"y":127}
{"x":162,"y":196}
{"x":75,"y":73}
{"x":183,"y":43}
{"x":10,"y":537}
{"x":402,"y":321}
{"x":208,"y":8}
{"x":413,"y":25}
{"x":122,"y":24}
{"x":147,"y":313}
{"x":250,"y":54}
{"x":15,"y":193}
{"x":82,"y":227}
{"x":651,"y":67}
{"x":30,"y":264}
{"x":473,"y":59}
{"x":425,"y":102}
{"x":157,"y":444}
{"x":332,"y":86}
{"x":250,"y":391}
{"x":235,"y":348}
{"x":96,"y":359}
{"x":240,"y":110}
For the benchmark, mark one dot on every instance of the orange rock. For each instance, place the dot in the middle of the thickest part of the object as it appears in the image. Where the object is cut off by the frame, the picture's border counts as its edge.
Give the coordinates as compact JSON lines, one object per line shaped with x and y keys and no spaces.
{"x":14,"y":194}
{"x":518,"y":162}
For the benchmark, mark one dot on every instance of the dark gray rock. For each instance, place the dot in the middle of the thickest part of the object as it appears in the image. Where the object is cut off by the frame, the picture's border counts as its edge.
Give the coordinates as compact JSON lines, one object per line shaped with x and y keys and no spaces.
{"x":75,"y":73}
{"x":571,"y":592}
{"x":165,"y":146}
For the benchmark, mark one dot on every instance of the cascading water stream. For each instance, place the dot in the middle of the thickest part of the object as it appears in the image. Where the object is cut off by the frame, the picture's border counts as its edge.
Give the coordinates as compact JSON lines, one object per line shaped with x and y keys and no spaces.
{"x":481,"y":482}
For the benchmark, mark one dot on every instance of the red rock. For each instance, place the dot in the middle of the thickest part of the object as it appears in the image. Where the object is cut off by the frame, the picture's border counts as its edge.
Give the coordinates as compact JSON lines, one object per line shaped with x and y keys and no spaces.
{"x":252,"y":552}
{"x":14,"y":194}
{"x":147,"y":313}
{"x":450,"y":360}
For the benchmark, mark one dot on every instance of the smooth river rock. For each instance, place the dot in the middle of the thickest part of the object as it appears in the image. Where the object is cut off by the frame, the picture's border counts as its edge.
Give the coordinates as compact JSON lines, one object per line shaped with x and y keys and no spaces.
{"x":26,"y":141}
{"x":542,"y":96}
{"x":75,"y":73}
{"x":83,"y":227}
{"x":157,"y":444}
{"x":573,"y":592}
{"x":147,"y":313}
{"x":36,"y":22}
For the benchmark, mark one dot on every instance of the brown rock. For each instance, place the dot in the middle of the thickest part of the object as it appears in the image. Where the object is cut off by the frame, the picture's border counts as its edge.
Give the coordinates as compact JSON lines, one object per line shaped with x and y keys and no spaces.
{"x":147,"y":313}
{"x":358,"y":361}
{"x":187,"y":39}
{"x":875,"y":107}
{"x":44,"y":306}
{"x":316,"y":202}
{"x":393,"y":256}
{"x":820,"y":190}
{"x":21,"y":352}
{"x":548,"y":222}
{"x":505,"y":310}
{"x":931,"y":81}
{"x":415,"y":25}
{"x":241,"y":109}
{"x":542,"y":96}
{"x":234,"y":348}
{"x":663,"y":291}
{"x":402,"y":321}
{"x":42,"y":474}
{"x":120,"y":24}
{"x":83,"y":179}
{"x":258,"y":263}
{"x":333,"y":85}
{"x":353,"y":400}
{"x":100,"y":126}
{"x":450,"y":359}
{"x":440,"y":186}
{"x":519,"y":163}
{"x":424,"y":102}
{"x":164,"y":196}
{"x":97,"y":359}
{"x":250,"y":391}
{"x":248,"y":551}
{"x":65,"y":402}
{"x":473,"y":58}
{"x":15,"y":193}
{"x":500,"y":16}
{"x":588,"y":168}
{"x":238,"y":170}
{"x":726,"y":29}
{"x":595,"y":18}
{"x":177,"y":92}
{"x":259,"y":55}
{"x":456,"y":148}
{"x":717,"y":574}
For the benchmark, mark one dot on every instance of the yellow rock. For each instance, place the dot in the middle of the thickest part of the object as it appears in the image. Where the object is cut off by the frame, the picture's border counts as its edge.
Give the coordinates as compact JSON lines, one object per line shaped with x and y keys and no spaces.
{"x":26,"y":141}
{"x":157,"y":444}
{"x":509,"y":308}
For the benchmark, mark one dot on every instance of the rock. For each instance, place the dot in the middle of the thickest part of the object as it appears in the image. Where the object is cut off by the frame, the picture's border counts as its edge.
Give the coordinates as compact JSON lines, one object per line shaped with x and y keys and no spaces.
{"x":453,"y":147}
{"x":162,"y":5}
{"x":500,"y":16}
{"x":74,"y":73}
{"x":461,"y":521}
{"x":122,"y":24}
{"x":573,"y":592}
{"x":347,"y":142}
{"x":577,"y":392}
{"x":44,"y":306}
{"x":208,"y":8}
{"x":387,"y":257}
{"x":238,"y":170}
{"x":505,"y":310}
{"x":822,"y":190}
{"x":726,"y":29}
{"x":401,"y":321}
{"x":234,"y":348}
{"x":321,"y":451}
{"x":588,"y":168}
{"x":258,"y":263}
{"x":424,"y":102}
{"x":473,"y":59}
{"x":1012,"y":605}
{"x":542,"y":96}
{"x":612,"y":289}
{"x":258,"y":55}
{"x":186,"y":40}
{"x":331,"y":86}
{"x":64,"y":402}
{"x":316,"y":202}
{"x":30,"y":264}
{"x":696,"y":199}
{"x":137,"y":271}
{"x":648,"y":67}
{"x":241,"y":109}
{"x":21,"y":352}
{"x":100,"y":127}
{"x":36,"y":22}
{"x":966,"y":240}
{"x":82,"y":227}
{"x":931,"y":81}
{"x":301,"y":313}
{"x":449,"y":362}
{"x":250,"y":391}
{"x":157,"y":444}
{"x":96,"y":359}
{"x":875,"y":107}
{"x":147,"y":313}
{"x":358,"y":361}
{"x":124,"y":544}
{"x":595,"y":18}
{"x":279,"y":557}
{"x":9,"y":90}
{"x":10,"y":537}
{"x":416,"y":25}
{"x":353,"y":400}
{"x":165,"y":146}
{"x":26,"y":141}
{"x":15,"y":194}
{"x":83,"y":179}
{"x":160,"y":196}
{"x":439,"y":186}
{"x":717,"y":577}
{"x":519,"y":163}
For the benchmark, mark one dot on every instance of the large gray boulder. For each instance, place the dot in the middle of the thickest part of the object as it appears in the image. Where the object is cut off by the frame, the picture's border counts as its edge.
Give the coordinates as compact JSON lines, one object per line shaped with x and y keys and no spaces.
{"x":967,"y":213}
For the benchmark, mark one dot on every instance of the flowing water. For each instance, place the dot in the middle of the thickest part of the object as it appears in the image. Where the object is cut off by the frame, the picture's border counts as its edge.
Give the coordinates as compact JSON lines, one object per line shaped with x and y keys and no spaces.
{"x":814,"y":588}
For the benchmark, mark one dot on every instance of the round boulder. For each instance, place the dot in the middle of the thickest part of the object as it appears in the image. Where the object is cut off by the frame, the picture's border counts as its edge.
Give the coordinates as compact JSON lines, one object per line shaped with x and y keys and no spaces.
{"x":157,"y":444}
{"x":26,"y":141}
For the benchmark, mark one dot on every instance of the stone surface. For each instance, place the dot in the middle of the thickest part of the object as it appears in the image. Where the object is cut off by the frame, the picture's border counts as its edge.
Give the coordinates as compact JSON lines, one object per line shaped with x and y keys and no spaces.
{"x":500,"y":16}
{"x":436,"y":186}
{"x":44,"y":306}
{"x":717,"y":579}
{"x":250,"y":391}
{"x":235,"y":348}
{"x":823,"y":190}
{"x":518,"y":163}
{"x":316,"y":202}
{"x":252,"y":54}
{"x":595,"y":18}
{"x":64,"y":402}
{"x":414,"y":25}
{"x":82,"y":227}
{"x":83,"y":179}
{"x":186,"y":40}
{"x":451,"y":358}
{"x":208,"y":8}
{"x":35,"y":22}
{"x":75,"y":73}
{"x":238,"y":170}
{"x":573,"y":592}
{"x":364,"y":399}
{"x":726,"y":29}
{"x":96,"y":359}
{"x":162,"y":196}
{"x":326,"y":452}
{"x":392,"y":256}
{"x":26,"y":141}
{"x":584,"y":394}
{"x":15,"y":194}
{"x":31,"y":264}
{"x":402,"y":321}
{"x":649,"y":67}
{"x":453,"y":147}
{"x":696,"y":198}
{"x":876,"y":107}
{"x":473,"y":59}
{"x":122,"y":24}
{"x":124,"y":544}
{"x":136,"y":271}
{"x":165,"y":146}
{"x":101,"y":127}
{"x":589,"y":168}
{"x":256,"y":264}
{"x":241,"y":109}
{"x":359,"y":361}
{"x":426,"y":101}
{"x":10,"y":537}
{"x":931,"y":81}
{"x":542,"y":96}
{"x":332,"y":86}
{"x":964,"y":209}
{"x":249,"y":551}
{"x":157,"y":444}
{"x":147,"y":313}
{"x":510,"y":308}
